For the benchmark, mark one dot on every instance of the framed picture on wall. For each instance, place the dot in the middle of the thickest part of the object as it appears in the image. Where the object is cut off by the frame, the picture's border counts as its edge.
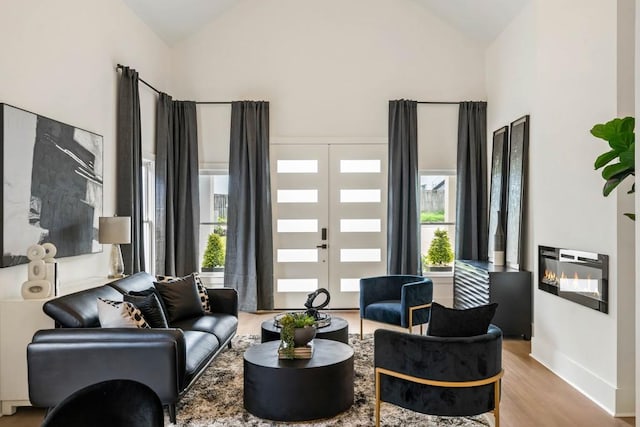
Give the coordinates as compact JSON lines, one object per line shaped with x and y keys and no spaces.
{"x":498,"y":191}
{"x":52,"y":186}
{"x":517,"y":185}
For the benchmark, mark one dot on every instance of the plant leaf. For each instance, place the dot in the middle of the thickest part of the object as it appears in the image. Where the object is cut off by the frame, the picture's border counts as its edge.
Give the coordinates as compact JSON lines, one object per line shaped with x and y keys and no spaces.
{"x":627,"y":124}
{"x":615,"y":169}
{"x":630,"y":215}
{"x":604,"y":158}
{"x":609,"y":186}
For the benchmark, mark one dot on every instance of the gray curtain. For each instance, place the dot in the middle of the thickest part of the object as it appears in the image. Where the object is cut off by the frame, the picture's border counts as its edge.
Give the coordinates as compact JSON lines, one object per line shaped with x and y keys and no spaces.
{"x":129,"y":168}
{"x":471,"y":196}
{"x":403,"y":221}
{"x":249,"y":256}
{"x":177,"y":189}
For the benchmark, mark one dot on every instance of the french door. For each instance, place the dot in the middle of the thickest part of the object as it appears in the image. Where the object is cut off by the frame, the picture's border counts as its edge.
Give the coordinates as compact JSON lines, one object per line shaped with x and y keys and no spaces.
{"x":329,"y":220}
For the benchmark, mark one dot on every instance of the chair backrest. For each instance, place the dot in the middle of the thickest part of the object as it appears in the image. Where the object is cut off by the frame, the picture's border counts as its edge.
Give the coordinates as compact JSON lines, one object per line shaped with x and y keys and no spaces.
{"x":113,"y":403}
{"x":385,"y":287}
{"x":453,"y":359}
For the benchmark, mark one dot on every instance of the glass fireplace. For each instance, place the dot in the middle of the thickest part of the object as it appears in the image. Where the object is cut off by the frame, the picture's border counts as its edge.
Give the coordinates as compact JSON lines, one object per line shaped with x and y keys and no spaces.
{"x":582,"y":277}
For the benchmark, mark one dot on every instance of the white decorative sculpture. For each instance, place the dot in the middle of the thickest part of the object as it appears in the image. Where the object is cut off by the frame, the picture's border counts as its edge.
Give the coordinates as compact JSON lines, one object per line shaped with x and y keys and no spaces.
{"x":42,"y":272}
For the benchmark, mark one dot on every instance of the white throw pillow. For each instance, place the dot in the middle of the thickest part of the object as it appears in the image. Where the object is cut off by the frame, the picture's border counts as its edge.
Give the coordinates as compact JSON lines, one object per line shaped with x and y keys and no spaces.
{"x":120,"y":314}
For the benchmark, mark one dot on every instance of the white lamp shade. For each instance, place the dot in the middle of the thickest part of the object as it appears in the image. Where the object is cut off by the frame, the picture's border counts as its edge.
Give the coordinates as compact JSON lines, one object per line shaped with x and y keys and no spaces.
{"x":114,"y":229}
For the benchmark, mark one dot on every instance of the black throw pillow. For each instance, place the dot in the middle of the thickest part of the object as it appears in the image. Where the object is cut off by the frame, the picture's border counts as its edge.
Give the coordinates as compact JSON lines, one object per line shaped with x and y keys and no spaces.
{"x":153,"y":291}
{"x":180,"y":298}
{"x":449,"y":322}
{"x":151,"y":309}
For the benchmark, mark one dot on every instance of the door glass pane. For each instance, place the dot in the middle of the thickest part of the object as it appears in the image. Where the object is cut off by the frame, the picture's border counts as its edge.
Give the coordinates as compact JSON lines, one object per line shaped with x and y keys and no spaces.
{"x":360,"y":255}
{"x":359,"y":166}
{"x":297,"y":226}
{"x":297,"y":255}
{"x":350,"y":285}
{"x":297,"y":196}
{"x":297,"y":285}
{"x":297,"y":166}
{"x":360,"y":196}
{"x":360,"y":225}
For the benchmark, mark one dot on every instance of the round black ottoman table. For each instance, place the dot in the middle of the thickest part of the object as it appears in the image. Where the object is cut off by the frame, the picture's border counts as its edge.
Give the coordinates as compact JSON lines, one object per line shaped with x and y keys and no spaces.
{"x":299,"y":389}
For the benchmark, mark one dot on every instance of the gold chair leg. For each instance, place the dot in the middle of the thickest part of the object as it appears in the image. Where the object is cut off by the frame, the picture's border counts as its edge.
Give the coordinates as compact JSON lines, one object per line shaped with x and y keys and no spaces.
{"x":421,"y":329}
{"x":361,"y":328}
{"x":377,"y":398}
{"x":496,"y":405}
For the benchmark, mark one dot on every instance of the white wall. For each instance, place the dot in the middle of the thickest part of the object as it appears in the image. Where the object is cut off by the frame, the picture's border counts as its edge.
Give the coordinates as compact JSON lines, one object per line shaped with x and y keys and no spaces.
{"x":329,"y":69}
{"x":637,"y":202}
{"x":548,"y":65}
{"x":58,"y":60}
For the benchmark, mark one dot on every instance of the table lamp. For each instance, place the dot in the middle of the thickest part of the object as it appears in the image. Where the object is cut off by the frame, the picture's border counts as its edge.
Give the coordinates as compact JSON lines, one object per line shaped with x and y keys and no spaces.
{"x":115,"y":230}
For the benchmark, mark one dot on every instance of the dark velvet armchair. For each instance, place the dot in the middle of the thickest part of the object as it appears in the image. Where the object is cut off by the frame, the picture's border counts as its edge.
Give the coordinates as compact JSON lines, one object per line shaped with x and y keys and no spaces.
{"x":112,"y":403}
{"x":400,"y":300}
{"x":445,"y":376}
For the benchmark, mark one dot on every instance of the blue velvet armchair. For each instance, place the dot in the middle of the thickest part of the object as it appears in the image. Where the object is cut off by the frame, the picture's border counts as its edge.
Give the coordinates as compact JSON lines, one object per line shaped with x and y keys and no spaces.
{"x":446,"y":376}
{"x":400,"y":300}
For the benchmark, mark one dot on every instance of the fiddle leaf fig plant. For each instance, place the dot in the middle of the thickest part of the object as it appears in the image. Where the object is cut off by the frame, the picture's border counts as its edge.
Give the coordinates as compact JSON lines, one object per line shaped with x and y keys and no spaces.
{"x":619,"y":162}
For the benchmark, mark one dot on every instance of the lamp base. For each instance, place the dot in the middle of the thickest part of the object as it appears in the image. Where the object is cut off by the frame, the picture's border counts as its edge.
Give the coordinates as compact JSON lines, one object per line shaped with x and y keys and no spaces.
{"x":116,"y":264}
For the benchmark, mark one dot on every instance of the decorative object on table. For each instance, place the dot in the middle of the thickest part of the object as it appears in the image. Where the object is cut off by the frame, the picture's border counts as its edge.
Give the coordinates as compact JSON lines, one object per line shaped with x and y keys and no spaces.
{"x":322,"y":319}
{"x":298,"y":329}
{"x":498,"y":242}
{"x":440,"y":254}
{"x":518,"y":159}
{"x":52,"y":188}
{"x":498,"y":191}
{"x":115,"y":230}
{"x":621,"y":138}
{"x":41,"y":272}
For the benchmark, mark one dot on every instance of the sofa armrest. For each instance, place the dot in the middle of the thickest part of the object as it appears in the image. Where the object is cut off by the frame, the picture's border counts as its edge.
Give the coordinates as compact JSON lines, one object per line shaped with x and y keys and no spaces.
{"x":61,"y":361}
{"x":223,"y":300}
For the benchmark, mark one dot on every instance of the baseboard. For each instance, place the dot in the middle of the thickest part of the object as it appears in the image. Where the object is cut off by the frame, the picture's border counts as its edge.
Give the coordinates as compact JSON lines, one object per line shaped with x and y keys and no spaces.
{"x":601,"y":392}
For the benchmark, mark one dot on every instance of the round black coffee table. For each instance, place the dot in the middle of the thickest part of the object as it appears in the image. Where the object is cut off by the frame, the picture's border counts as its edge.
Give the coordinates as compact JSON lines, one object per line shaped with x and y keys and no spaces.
{"x":299,"y":389}
{"x":337,"y":330}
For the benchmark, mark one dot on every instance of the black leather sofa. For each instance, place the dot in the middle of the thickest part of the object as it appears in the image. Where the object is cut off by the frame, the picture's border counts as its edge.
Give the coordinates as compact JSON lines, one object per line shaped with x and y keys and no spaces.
{"x":79,"y":353}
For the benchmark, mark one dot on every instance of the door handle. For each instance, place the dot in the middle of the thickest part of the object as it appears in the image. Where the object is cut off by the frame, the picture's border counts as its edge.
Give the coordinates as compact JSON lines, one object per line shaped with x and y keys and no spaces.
{"x":322,"y":246}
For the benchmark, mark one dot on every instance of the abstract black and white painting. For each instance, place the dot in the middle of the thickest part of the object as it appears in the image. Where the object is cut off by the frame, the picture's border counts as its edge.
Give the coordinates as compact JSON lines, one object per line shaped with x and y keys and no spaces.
{"x":51,"y":188}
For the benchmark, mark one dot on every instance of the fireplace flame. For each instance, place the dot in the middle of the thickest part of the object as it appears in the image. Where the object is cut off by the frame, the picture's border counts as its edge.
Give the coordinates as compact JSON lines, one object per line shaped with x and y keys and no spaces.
{"x":550,"y":277}
{"x":577,"y":284}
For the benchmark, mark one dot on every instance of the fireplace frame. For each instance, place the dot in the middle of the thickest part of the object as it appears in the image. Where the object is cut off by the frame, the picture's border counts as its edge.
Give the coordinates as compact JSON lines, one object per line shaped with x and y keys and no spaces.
{"x":586,"y":260}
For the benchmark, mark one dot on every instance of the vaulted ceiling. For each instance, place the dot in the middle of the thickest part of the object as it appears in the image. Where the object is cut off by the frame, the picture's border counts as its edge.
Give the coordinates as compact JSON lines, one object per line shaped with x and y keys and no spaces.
{"x":175,"y":20}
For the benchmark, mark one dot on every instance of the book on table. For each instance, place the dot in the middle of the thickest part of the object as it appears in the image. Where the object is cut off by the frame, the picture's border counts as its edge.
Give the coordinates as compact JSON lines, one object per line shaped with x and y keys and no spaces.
{"x":304,"y":352}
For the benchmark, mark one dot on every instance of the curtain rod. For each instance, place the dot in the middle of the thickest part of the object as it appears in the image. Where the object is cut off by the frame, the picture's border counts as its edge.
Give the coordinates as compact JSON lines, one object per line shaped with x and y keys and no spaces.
{"x":120,"y":66}
{"x":437,"y":102}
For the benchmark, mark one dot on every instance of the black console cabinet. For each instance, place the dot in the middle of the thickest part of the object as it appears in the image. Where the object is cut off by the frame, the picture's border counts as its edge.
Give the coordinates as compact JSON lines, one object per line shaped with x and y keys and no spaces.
{"x":477,"y":282}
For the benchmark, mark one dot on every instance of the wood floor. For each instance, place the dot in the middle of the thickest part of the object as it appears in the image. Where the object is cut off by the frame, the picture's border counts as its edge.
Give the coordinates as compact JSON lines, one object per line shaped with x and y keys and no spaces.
{"x":532,"y":395}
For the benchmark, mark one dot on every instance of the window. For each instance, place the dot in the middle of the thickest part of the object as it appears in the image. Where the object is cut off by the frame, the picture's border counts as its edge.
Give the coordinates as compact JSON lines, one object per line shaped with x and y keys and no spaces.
{"x":437,"y":210}
{"x":148,"y":214}
{"x":214,"y":196}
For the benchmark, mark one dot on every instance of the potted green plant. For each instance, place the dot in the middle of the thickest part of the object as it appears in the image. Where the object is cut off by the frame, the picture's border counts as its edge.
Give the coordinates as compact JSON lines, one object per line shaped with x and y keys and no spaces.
{"x":440,"y":254}
{"x":619,"y":162}
{"x":213,"y":258}
{"x":298,"y":328}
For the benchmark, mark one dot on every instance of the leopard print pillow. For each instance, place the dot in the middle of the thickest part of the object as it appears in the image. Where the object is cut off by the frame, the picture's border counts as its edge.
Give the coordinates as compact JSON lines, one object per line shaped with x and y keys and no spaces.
{"x":120,"y":314}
